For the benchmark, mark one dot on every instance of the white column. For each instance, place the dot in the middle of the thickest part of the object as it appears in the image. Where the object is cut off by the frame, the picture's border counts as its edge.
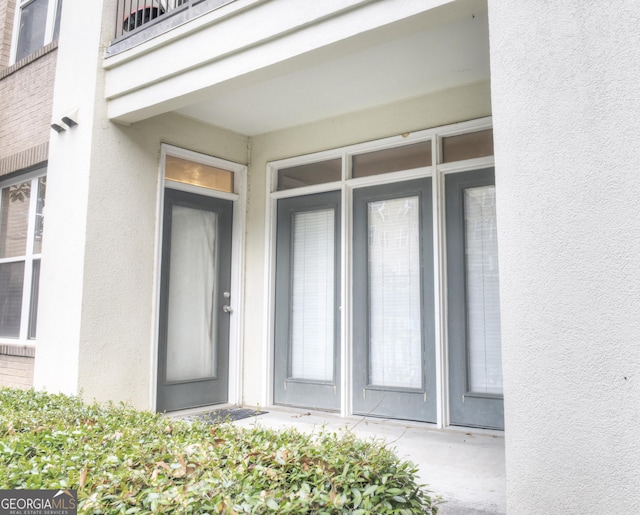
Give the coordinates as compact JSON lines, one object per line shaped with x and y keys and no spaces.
{"x":566,"y":107}
{"x":63,"y":255}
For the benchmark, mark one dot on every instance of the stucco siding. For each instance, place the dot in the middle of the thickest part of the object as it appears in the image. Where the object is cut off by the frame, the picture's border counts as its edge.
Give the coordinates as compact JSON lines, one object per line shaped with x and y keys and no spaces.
{"x":566,"y":118}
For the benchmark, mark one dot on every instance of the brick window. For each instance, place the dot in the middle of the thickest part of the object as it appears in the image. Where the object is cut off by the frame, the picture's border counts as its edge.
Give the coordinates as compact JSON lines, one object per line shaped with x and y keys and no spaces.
{"x":37,"y":23}
{"x":21,"y":225}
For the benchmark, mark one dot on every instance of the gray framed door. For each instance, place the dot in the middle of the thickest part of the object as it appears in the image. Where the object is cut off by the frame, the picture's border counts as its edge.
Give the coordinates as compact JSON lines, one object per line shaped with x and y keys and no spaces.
{"x":393,"y":302}
{"x":475,"y":369}
{"x":193,"y":340}
{"x":307,"y":299}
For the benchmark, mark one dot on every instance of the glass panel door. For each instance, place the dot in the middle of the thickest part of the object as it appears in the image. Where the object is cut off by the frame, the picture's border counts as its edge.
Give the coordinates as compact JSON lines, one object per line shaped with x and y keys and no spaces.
{"x":393,"y":314}
{"x":475,"y":366}
{"x":195,"y":289}
{"x":307,"y":323}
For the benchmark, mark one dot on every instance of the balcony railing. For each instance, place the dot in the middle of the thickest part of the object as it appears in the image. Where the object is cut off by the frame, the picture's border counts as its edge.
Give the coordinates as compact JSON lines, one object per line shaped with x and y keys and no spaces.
{"x":134,"y":16}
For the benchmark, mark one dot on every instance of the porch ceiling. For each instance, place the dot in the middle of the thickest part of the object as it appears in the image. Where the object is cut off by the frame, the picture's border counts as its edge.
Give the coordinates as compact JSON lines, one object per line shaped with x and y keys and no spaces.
{"x":383,"y":67}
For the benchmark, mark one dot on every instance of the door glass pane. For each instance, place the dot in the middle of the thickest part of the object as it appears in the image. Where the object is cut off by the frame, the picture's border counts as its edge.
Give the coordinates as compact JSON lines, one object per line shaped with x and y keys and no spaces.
{"x":33,"y":21}
{"x":197,"y":174}
{"x":313,"y":173}
{"x":14,"y":219}
{"x":482,"y":295}
{"x":395,"y":337}
{"x":467,"y":146}
{"x":11,"y":281}
{"x":407,"y":157}
{"x":192,"y":321}
{"x":312,"y":295}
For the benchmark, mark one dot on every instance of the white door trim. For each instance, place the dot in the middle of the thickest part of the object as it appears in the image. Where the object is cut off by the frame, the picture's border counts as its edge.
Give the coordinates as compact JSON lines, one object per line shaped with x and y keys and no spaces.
{"x":239,"y":199}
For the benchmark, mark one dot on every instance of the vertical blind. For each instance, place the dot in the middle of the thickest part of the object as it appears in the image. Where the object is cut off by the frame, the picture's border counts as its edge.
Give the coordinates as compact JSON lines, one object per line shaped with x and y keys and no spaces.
{"x":395,"y":318}
{"x":191,"y":332}
{"x":312,"y":296}
{"x":482,"y":295}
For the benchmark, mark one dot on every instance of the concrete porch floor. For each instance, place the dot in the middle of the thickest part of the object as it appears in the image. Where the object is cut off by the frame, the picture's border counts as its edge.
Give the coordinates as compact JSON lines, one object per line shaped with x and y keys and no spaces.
{"x":465,"y":466}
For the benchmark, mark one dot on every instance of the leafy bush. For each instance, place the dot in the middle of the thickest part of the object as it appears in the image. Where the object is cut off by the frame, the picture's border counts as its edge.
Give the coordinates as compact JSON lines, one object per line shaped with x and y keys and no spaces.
{"x":126,"y":461}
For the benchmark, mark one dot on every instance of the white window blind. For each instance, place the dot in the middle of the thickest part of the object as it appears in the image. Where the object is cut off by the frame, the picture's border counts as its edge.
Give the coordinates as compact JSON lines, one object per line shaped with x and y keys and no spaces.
{"x":395,"y":317}
{"x":191,"y":332}
{"x":312,"y":303}
{"x":482,"y":284}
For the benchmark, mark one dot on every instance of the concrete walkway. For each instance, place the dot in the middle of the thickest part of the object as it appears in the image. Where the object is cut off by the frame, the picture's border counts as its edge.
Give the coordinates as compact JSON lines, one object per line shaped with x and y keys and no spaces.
{"x":465,"y":467}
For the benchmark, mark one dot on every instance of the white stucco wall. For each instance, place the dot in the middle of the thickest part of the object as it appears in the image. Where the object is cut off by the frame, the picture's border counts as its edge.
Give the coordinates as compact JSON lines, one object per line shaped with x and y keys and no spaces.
{"x":441,"y":108}
{"x":97,"y":308}
{"x":566,"y":113}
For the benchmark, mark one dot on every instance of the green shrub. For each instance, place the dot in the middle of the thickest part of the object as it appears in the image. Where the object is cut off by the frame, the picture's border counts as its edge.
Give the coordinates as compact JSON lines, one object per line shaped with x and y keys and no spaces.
{"x":126,"y":461}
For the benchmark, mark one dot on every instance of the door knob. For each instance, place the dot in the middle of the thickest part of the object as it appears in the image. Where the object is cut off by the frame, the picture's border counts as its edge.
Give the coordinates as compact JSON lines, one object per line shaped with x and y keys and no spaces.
{"x":227,"y":309}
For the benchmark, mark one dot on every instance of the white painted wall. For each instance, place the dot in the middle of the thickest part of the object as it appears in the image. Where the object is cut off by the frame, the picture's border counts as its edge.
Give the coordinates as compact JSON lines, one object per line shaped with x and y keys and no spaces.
{"x":450,"y":106}
{"x":224,"y":48}
{"x":566,"y":113}
{"x":97,"y":307}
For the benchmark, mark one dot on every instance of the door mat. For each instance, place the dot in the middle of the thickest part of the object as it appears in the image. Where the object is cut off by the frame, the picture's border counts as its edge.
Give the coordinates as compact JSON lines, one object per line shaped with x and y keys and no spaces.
{"x":226,"y":415}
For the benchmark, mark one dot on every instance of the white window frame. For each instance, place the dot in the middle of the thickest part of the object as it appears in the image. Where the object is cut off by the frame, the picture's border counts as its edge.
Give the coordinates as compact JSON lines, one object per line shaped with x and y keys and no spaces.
{"x":346,"y":185}
{"x":239,"y":199}
{"x":28,"y":258}
{"x":52,"y":7}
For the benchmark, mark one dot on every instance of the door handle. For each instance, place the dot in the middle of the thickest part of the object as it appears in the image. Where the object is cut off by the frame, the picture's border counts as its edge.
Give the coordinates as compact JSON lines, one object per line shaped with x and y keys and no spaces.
{"x":227,"y":309}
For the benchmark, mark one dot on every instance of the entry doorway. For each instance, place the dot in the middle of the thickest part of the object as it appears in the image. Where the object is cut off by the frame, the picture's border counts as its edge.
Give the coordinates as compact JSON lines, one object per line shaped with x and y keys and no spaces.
{"x":199,"y":268}
{"x":393,"y":317}
{"x":193,"y":351}
{"x":307,"y":325}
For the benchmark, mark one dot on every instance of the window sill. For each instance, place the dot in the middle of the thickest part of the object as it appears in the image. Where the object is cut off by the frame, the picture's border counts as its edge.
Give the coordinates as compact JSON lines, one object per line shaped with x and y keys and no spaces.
{"x":41,"y":52}
{"x":25,"y":350}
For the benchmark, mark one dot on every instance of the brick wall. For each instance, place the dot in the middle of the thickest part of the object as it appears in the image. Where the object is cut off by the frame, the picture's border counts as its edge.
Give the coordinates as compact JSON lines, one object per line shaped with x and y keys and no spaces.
{"x":26,"y":95}
{"x":16,"y":366}
{"x":7,"y":12}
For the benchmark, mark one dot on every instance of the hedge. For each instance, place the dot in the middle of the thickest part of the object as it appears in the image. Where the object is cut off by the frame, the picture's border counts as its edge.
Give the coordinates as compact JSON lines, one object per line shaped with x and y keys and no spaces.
{"x":124,"y":461}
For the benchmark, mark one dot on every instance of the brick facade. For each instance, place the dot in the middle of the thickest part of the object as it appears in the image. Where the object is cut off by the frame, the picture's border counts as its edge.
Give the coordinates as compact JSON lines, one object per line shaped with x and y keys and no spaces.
{"x":16,"y":366}
{"x":26,"y":95}
{"x":7,"y":13}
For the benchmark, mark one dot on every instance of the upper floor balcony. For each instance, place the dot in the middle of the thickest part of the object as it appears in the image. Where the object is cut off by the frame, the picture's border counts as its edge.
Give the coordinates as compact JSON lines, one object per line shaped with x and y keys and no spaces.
{"x":140,"y":20}
{"x":254,"y":66}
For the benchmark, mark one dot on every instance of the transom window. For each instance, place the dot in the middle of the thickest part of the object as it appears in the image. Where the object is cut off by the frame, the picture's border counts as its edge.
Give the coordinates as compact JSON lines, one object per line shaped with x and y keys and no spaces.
{"x":22,"y":207}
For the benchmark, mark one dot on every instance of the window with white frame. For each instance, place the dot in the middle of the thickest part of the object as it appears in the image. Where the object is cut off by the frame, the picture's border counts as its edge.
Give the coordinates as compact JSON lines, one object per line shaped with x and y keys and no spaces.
{"x":22,"y":203}
{"x":37,"y":23}
{"x":416,"y":229}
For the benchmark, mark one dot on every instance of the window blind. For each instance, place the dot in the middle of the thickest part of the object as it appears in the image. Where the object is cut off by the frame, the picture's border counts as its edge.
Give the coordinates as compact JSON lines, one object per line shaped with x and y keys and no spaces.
{"x":312,"y":302}
{"x":394,"y":293}
{"x":482,"y":290}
